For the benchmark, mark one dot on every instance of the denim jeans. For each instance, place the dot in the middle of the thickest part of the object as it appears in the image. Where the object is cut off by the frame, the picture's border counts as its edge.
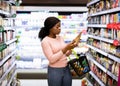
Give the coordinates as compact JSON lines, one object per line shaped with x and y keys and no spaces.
{"x":59,"y":76}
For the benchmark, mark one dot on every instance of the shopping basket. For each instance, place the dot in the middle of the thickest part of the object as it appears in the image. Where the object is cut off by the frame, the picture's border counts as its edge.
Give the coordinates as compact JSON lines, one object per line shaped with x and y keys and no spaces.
{"x":79,"y":64}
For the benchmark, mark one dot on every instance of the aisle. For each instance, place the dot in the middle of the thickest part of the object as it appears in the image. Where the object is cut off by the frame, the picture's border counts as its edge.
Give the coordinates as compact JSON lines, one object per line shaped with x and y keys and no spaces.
{"x":26,"y":82}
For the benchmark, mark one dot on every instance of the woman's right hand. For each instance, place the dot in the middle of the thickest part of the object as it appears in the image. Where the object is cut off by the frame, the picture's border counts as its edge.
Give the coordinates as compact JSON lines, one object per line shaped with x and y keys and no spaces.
{"x":69,"y":46}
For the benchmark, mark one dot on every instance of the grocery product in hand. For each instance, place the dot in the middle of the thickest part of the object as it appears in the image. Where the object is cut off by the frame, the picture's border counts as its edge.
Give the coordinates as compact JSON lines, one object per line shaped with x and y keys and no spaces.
{"x":77,"y":38}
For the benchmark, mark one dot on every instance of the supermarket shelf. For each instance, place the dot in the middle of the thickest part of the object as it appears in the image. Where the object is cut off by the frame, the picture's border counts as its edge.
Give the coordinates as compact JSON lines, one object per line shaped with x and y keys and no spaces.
{"x":11,"y":41}
{"x":9,"y":18}
{"x":6,"y":73}
{"x":112,"y":75}
{"x":105,"y":12}
{"x":98,"y":50}
{"x":15,"y":84}
{"x":4,"y":13}
{"x":92,"y":2}
{"x":7,"y":61}
{"x":89,"y":83}
{"x":115,"y":58}
{"x":7,"y":28}
{"x":101,"y":38}
{"x":97,"y":79}
{"x":7,"y":57}
{"x":97,"y":25}
{"x":11,"y":1}
{"x":101,"y":67}
{"x":27,"y":26}
{"x":96,"y":63}
{"x":12,"y":77}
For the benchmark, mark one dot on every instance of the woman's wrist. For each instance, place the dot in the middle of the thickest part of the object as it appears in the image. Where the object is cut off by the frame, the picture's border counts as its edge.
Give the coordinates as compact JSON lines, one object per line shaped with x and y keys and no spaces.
{"x":68,"y":52}
{"x":64,"y":51}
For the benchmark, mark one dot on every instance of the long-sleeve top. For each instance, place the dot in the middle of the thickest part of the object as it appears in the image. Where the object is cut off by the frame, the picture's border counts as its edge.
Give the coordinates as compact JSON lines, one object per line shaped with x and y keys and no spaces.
{"x":52,"y":49}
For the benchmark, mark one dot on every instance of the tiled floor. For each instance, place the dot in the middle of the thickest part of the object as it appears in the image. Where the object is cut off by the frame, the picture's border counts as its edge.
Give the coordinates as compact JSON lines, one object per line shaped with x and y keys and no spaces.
{"x":36,"y":82}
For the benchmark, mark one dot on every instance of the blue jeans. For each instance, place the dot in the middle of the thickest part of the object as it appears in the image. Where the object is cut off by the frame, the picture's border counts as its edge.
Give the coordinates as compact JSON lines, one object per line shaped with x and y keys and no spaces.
{"x":59,"y":76}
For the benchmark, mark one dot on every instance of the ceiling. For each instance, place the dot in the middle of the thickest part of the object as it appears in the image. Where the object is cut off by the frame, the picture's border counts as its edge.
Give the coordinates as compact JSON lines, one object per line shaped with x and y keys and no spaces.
{"x":54,"y":2}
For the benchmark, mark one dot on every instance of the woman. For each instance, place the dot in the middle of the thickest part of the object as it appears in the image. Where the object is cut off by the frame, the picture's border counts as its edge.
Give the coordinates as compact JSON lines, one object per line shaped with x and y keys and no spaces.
{"x":56,"y":51}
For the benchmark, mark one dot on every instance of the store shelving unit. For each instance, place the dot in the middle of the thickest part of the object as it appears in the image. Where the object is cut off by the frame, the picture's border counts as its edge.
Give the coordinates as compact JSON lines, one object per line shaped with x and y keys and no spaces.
{"x":96,"y":22}
{"x":97,"y":79}
{"x":92,"y":2}
{"x":102,"y":68}
{"x":105,"y":12}
{"x":7,"y":45}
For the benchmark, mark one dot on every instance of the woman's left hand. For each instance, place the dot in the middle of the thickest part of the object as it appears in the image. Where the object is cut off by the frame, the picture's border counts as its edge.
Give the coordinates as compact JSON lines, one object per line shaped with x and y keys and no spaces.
{"x":68,"y":52}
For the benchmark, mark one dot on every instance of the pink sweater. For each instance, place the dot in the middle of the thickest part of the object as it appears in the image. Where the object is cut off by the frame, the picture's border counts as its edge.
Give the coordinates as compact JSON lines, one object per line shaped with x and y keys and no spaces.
{"x":52,"y":48}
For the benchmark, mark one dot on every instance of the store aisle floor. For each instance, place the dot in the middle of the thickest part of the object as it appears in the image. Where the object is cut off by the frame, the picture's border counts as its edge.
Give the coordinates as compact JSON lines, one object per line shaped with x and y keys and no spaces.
{"x":35,"y":82}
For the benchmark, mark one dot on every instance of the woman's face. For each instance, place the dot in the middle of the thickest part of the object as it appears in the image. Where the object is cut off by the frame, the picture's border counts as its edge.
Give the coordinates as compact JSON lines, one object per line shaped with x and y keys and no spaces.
{"x":56,"y":29}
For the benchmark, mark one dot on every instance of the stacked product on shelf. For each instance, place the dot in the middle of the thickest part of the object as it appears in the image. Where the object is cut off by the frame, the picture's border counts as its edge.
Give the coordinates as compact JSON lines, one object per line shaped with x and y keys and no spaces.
{"x":104,"y":41}
{"x":7,"y":45}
